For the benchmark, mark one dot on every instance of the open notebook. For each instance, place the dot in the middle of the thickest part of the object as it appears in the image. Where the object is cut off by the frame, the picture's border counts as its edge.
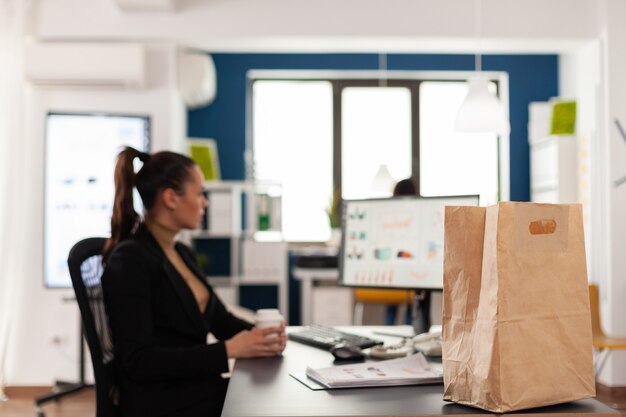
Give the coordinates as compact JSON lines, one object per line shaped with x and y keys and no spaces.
{"x":411,"y":370}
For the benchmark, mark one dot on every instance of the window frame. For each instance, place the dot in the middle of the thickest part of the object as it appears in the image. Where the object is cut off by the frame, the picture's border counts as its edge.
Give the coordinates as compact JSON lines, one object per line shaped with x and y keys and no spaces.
{"x":341,"y":79}
{"x":338,"y":87}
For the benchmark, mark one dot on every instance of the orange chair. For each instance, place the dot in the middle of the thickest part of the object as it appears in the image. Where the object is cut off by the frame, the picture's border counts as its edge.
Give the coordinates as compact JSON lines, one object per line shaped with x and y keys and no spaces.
{"x":400,"y":298}
{"x":602,"y":344}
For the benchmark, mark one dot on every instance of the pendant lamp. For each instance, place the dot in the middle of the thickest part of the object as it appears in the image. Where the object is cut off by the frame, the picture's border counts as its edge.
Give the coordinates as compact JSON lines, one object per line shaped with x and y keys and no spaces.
{"x":481,"y":110}
{"x":383,"y":181}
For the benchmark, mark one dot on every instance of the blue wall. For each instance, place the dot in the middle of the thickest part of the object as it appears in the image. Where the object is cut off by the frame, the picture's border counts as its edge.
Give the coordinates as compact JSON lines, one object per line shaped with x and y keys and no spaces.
{"x":531,"y":78}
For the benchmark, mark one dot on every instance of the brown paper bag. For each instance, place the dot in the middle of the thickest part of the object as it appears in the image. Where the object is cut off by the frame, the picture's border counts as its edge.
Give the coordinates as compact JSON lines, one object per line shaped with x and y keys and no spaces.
{"x":516,"y":319}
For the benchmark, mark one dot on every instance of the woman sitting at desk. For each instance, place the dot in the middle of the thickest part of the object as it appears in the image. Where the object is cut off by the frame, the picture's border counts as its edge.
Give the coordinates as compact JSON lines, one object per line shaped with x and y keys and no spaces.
{"x":160,"y":307}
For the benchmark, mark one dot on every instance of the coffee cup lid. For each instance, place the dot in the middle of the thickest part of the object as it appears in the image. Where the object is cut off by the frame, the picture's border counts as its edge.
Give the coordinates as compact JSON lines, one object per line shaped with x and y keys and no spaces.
{"x":268,"y":312}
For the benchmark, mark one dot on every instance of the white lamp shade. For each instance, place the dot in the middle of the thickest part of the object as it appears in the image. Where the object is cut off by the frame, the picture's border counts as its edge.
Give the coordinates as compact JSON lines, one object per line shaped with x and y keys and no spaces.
{"x":383,"y":181}
{"x":481,"y":111}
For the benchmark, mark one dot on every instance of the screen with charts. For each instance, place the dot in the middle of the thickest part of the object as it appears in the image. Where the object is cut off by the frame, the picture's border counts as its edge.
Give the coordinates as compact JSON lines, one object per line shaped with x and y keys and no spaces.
{"x":395,"y":242}
{"x":81,"y":151}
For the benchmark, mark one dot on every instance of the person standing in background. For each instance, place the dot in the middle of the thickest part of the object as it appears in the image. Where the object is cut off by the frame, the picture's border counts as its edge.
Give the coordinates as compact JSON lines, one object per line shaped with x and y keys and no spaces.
{"x":404,"y":187}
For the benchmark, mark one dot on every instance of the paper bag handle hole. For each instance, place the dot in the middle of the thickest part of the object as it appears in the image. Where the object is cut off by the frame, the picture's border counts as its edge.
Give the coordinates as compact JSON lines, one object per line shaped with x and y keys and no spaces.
{"x":542,"y":227}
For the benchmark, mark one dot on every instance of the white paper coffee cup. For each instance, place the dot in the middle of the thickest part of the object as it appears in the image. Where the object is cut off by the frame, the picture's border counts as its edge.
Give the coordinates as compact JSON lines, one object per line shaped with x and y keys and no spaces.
{"x":268,"y":317}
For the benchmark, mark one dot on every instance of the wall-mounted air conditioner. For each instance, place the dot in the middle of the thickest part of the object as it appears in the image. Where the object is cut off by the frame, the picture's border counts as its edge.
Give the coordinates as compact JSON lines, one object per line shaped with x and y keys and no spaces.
{"x":85,"y":64}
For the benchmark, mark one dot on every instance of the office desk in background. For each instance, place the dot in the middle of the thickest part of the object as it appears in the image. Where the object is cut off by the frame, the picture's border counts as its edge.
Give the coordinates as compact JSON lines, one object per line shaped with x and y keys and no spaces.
{"x":325,"y":303}
{"x":307,"y":276}
{"x":263,"y":387}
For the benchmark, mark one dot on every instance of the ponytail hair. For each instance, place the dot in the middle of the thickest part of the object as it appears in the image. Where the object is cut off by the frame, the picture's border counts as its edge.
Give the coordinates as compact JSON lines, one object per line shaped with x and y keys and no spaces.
{"x":160,"y":171}
{"x":124,"y":218}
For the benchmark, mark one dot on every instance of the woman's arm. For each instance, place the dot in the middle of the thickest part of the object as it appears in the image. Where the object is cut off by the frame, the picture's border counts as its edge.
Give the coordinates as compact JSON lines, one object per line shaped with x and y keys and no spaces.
{"x":244,"y":341}
{"x":224,"y":324}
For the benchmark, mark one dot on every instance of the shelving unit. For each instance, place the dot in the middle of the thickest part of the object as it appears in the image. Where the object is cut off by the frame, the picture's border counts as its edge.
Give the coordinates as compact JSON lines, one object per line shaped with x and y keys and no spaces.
{"x":243,"y":224}
{"x":554,"y":169}
{"x":553,"y":158}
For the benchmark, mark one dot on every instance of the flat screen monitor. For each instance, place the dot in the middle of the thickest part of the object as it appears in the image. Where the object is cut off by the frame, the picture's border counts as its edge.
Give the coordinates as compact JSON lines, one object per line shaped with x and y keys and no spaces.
{"x":395,"y":242}
{"x":80,"y":155}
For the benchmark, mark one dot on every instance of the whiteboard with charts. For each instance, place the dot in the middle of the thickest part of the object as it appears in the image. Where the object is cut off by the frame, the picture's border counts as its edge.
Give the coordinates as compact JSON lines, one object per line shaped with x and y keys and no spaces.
{"x":395,"y":242}
{"x":81,"y":150}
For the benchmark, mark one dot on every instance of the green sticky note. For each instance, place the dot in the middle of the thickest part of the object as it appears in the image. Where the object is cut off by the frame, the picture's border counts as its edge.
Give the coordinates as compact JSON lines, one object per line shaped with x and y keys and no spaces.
{"x":563,"y":118}
{"x":201,"y":155}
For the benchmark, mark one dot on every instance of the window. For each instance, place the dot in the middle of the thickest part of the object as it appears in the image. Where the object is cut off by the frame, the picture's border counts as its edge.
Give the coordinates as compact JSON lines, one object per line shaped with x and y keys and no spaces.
{"x":453,"y":163}
{"x":315,"y":135}
{"x":293,"y":144}
{"x":375,"y":130}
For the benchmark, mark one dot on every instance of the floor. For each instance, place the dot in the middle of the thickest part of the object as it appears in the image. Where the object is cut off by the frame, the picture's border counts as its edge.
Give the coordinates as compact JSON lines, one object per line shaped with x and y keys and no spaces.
{"x":82,"y":405}
{"x":615,"y":400}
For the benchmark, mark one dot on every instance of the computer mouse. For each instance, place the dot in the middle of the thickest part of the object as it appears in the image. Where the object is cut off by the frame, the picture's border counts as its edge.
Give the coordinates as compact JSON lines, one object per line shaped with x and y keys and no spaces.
{"x":344,"y":352}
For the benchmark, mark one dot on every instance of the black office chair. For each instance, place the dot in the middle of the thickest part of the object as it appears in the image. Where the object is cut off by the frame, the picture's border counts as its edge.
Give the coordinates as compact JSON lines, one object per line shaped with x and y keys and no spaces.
{"x":85,"y":265}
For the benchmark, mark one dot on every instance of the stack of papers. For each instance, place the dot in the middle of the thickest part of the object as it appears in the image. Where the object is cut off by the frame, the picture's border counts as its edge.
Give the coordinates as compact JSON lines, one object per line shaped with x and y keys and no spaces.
{"x":412,"y":370}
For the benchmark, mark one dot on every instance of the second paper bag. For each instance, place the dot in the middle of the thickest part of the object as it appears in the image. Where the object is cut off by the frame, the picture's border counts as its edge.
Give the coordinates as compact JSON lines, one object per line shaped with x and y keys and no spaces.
{"x":516,"y":319}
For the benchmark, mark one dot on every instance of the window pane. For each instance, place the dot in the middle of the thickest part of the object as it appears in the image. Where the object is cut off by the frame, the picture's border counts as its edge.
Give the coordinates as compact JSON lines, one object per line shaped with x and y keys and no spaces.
{"x":453,"y":163}
{"x":376,"y":129}
{"x":292,"y":131}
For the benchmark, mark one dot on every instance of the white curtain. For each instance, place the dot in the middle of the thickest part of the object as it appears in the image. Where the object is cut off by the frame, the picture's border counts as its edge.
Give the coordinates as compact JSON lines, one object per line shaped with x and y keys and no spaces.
{"x":14,"y":228}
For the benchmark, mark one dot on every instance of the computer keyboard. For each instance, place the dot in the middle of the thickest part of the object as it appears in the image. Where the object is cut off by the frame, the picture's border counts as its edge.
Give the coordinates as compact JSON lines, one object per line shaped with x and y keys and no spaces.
{"x":326,"y":337}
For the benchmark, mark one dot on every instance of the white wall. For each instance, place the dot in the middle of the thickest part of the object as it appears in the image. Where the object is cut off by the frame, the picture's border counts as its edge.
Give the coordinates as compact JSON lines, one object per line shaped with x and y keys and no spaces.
{"x":614,"y":150}
{"x":34,"y":358}
{"x":580,"y":79}
{"x":594,"y":76}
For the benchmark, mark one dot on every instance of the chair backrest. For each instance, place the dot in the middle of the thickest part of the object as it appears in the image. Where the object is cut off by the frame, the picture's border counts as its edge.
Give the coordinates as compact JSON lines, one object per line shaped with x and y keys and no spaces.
{"x":385,"y":296}
{"x":85,"y":265}
{"x":594,"y":305}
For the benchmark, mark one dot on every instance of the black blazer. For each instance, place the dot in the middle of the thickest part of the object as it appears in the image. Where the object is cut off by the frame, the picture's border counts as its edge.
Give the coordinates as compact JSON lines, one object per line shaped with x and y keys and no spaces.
{"x":164,"y":364}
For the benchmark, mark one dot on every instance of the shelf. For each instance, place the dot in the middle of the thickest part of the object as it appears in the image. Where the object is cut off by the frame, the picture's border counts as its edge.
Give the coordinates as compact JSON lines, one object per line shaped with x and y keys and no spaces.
{"x":220,"y":281}
{"x":544,"y":188}
{"x":550,"y":138}
{"x":236,"y":211}
{"x":554,"y":169}
{"x":245,"y":283}
{"x":206,"y":234}
{"x":267,"y":236}
{"x":227,"y":281}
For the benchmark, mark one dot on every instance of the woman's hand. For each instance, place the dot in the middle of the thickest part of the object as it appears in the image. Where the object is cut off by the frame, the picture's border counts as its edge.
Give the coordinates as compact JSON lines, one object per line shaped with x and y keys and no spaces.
{"x":269,"y":341}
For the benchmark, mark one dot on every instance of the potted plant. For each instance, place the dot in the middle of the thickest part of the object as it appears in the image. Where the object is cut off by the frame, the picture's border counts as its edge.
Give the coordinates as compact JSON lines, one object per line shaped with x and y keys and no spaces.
{"x":334,"y":217}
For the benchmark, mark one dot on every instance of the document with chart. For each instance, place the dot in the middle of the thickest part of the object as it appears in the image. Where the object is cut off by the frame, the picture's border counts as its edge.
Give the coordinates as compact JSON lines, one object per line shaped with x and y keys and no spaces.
{"x":411,"y":370}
